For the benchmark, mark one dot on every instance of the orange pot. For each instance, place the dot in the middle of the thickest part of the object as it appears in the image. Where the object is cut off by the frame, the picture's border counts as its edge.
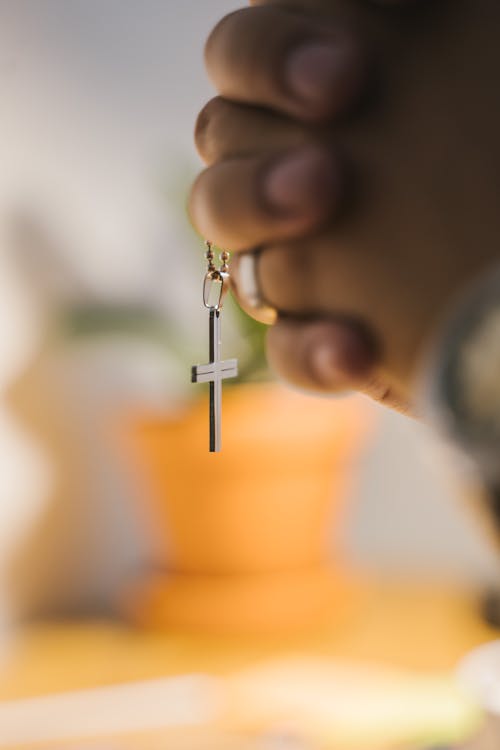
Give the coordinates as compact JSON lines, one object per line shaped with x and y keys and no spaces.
{"x":244,"y":537}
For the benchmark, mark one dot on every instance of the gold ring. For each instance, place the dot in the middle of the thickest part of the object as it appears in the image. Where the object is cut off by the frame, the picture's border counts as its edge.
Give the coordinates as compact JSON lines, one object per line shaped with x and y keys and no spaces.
{"x":246,"y":288}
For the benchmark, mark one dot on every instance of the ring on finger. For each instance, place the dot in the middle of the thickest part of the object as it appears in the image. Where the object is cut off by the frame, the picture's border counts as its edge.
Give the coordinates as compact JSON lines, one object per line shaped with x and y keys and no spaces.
{"x":247,"y":290}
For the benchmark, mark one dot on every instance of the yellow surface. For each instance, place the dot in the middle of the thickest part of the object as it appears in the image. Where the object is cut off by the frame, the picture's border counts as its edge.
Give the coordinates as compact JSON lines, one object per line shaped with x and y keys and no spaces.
{"x":414,"y":627}
{"x":423,"y":629}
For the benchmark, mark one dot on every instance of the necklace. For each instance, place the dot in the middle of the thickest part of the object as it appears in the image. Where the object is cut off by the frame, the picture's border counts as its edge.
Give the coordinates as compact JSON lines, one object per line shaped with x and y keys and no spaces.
{"x":215,"y":287}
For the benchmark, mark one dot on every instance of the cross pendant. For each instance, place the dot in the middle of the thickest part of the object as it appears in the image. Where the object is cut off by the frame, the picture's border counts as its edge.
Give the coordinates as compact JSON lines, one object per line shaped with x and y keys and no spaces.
{"x":214,"y":373}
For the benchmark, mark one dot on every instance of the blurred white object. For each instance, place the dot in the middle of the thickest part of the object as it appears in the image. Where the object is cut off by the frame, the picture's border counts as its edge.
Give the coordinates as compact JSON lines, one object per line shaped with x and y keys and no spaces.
{"x":185,"y":701}
{"x":411,"y":515}
{"x":479,"y":672}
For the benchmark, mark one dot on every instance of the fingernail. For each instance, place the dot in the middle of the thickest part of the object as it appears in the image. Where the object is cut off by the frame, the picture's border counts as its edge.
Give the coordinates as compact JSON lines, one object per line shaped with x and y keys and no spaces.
{"x":321,"y":73}
{"x":325,"y":366}
{"x":304,"y":179}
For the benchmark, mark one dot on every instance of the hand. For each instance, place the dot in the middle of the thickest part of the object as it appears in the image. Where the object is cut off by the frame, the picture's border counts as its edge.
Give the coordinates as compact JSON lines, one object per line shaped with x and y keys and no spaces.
{"x":389,"y":260}
{"x":226,"y":131}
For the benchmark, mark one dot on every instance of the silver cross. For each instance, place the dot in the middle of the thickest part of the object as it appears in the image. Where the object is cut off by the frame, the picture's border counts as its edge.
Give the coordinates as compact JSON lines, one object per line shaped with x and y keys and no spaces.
{"x":214,"y":373}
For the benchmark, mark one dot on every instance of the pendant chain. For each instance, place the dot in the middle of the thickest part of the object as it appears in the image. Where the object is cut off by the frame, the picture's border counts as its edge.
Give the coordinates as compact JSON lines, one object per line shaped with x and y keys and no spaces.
{"x":224,"y":259}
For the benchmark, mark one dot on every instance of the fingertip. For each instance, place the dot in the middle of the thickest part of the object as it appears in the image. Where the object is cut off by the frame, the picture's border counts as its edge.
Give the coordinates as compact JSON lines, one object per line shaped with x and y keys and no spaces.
{"x":298,"y":65}
{"x":251,"y":201}
{"x":208,"y":119}
{"x":212,"y":41}
{"x":200,"y":131}
{"x":324,"y":356}
{"x":338,"y":355}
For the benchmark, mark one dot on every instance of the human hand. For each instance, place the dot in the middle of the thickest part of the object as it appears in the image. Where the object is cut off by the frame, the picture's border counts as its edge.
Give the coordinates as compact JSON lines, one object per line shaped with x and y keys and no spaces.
{"x":361,"y":290}
{"x":226,"y":131}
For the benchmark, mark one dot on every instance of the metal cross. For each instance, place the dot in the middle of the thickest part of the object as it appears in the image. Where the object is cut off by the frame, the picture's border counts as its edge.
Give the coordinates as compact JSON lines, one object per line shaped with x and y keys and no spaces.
{"x":214,"y":373}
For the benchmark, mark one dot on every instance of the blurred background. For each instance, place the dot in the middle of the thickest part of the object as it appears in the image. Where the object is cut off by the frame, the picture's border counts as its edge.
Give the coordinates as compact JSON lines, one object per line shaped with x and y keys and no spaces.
{"x":108,"y":511}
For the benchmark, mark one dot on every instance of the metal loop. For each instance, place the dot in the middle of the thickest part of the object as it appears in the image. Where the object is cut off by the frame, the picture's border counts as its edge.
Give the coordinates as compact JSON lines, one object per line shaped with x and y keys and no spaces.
{"x":215,"y":287}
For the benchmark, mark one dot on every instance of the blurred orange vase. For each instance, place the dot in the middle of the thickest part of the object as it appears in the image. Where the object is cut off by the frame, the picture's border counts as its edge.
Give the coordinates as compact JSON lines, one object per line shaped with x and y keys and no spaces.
{"x":245,"y":538}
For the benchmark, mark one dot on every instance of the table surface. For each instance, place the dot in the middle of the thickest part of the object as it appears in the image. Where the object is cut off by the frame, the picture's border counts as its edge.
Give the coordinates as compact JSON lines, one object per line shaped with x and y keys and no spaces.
{"x":415,"y":626}
{"x":419,"y":627}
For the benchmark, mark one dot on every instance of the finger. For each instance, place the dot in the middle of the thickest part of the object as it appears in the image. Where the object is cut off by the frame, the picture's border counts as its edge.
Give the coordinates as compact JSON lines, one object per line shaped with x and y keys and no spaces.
{"x":225,"y":130}
{"x":309,"y":68}
{"x":327,"y":277}
{"x":320,"y":275}
{"x":329,"y":356}
{"x":246,"y":288}
{"x":298,"y":279}
{"x":241,"y":203}
{"x":324,"y":355}
{"x":303,"y":278}
{"x":378,"y":389}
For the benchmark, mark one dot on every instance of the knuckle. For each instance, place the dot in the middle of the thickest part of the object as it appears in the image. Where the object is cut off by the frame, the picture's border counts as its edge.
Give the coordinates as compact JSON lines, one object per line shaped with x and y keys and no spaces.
{"x":197,"y":199}
{"x":207,"y":204}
